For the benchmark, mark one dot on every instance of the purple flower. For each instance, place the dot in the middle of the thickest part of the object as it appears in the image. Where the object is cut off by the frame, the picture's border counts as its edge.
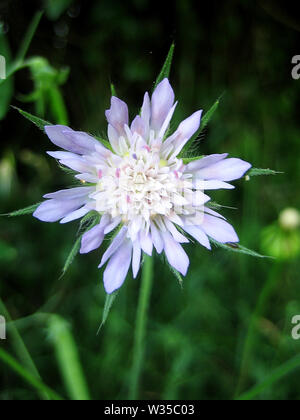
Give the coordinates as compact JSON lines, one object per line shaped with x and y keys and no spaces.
{"x":142,"y":187}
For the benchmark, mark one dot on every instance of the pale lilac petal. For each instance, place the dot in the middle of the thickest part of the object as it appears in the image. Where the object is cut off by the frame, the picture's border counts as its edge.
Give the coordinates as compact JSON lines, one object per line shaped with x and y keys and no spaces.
{"x":70,"y":193}
{"x":161,"y":103}
{"x":114,"y":138}
{"x":175,"y":254}
{"x":199,"y":235}
{"x":146,"y":243}
{"x":138,"y":126}
{"x":68,"y":139}
{"x":77,"y":164}
{"x":112,"y":226}
{"x":93,"y":239}
{"x":117,"y":268}
{"x":219,"y":229}
{"x":157,"y":239}
{"x":136,"y":258}
{"x":205,"y":162}
{"x":116,"y":243}
{"x":54,"y":210}
{"x":182,"y":135}
{"x":117,"y":115}
{"x":225,"y":170}
{"x":146,"y":111}
{"x":75,"y":215}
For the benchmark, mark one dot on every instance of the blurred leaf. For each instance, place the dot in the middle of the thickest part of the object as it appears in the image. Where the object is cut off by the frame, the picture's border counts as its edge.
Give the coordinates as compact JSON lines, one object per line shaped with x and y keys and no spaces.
{"x":107,"y":307}
{"x":25,"y":44}
{"x":238,"y":248}
{"x":258,"y":172}
{"x":41,"y":124}
{"x":68,"y":359}
{"x":7,"y":252}
{"x":288,"y":367}
{"x":55,"y":8}
{"x":6,"y":85}
{"x":27,"y":376}
{"x":18,"y":63}
{"x":23,"y":212}
{"x":165,"y":71}
{"x":113,"y":90}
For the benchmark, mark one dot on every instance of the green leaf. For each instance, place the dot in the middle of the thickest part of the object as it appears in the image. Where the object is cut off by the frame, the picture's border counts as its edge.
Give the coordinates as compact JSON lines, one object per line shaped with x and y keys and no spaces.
{"x":74,"y":251}
{"x":23,"y":212}
{"x":107,"y":307}
{"x":113,"y":90}
{"x":87,"y":223}
{"x":238,"y":249}
{"x":40,"y":123}
{"x":165,"y":71}
{"x":259,"y":172}
{"x":204,"y":122}
{"x":27,"y":376}
{"x":68,"y":359}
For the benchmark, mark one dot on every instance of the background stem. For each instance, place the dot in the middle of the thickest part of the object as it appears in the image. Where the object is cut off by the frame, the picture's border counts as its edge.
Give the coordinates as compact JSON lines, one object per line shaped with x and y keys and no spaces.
{"x":140,"y":328}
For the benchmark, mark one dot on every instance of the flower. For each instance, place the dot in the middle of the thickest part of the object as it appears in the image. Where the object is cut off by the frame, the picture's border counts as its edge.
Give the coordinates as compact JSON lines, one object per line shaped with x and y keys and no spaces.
{"x":142,"y":187}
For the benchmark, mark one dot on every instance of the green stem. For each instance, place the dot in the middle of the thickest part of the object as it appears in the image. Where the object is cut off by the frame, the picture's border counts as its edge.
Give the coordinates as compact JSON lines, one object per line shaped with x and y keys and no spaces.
{"x":251,"y":335}
{"x":140,"y":328}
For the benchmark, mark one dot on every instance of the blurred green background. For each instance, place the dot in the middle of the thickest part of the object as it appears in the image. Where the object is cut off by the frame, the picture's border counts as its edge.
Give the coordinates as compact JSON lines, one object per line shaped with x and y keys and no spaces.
{"x":229,"y":328}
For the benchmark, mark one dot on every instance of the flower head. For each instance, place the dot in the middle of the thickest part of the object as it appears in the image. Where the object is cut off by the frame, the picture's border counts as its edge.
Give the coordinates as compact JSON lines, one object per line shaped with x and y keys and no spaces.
{"x":141,"y":186}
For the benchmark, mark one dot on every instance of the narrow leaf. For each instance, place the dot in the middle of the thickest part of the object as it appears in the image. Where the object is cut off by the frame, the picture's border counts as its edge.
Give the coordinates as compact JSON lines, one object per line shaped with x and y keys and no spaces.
{"x":23,"y":212}
{"x":87,"y":223}
{"x":259,"y":172}
{"x":27,"y":376}
{"x":238,"y":249}
{"x":165,"y":71}
{"x":107,"y":307}
{"x":40,"y":123}
{"x":282,"y":371}
{"x":28,"y":37}
{"x":204,"y":122}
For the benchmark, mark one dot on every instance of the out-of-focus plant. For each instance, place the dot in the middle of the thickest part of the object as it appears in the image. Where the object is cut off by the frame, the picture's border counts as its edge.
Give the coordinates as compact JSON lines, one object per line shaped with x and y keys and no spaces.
{"x":282,"y":238}
{"x":46,"y":94}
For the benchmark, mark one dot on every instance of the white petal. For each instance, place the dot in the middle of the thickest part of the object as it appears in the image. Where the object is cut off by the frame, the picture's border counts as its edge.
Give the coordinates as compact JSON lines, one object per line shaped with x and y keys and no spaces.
{"x":157,"y":239}
{"x":225,"y":170}
{"x":136,"y":258}
{"x":117,"y":115}
{"x":146,"y":243}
